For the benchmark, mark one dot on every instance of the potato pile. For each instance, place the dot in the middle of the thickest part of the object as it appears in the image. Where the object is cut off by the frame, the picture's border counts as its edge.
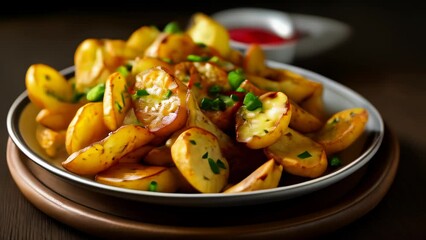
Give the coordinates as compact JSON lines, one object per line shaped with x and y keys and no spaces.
{"x":178,"y":110}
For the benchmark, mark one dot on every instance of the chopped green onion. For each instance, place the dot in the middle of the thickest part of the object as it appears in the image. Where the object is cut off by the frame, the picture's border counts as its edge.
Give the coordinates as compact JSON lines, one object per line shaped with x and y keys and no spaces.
{"x":252,"y":102}
{"x":206,"y":104}
{"x":218,"y":105}
{"x":227,"y":100}
{"x":213,"y":166}
{"x":304,"y":155}
{"x":196,"y":58}
{"x":198,"y":85}
{"x":172,"y":27}
{"x":215,"y":89}
{"x":205,"y":155}
{"x":240,"y":89}
{"x":96,"y":93}
{"x":234,"y":97}
{"x":235,"y":78}
{"x":220,"y":164}
{"x":335,"y":161}
{"x":193,"y":142}
{"x":167,"y":60}
{"x":201,"y":45}
{"x":119,"y":107}
{"x":168,"y":94}
{"x":153,"y":186}
{"x":140,"y":93}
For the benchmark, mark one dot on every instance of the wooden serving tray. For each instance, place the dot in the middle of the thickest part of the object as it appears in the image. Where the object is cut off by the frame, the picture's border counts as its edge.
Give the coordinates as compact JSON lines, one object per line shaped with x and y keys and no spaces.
{"x":309,"y":215}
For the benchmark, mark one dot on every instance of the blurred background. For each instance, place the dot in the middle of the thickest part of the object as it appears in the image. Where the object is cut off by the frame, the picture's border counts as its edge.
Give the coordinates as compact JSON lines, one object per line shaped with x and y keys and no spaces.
{"x":384,"y":59}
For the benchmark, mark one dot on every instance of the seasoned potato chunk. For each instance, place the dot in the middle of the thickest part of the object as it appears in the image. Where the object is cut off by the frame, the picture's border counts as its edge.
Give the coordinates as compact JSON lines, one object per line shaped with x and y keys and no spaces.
{"x":299,"y":155}
{"x":103,"y":154}
{"x":55,"y":120}
{"x":268,"y":175}
{"x":197,"y":155}
{"x":261,"y":127}
{"x":342,"y":129}
{"x":50,"y":140}
{"x":159,"y":101}
{"x":117,"y":101}
{"x":140,"y":177}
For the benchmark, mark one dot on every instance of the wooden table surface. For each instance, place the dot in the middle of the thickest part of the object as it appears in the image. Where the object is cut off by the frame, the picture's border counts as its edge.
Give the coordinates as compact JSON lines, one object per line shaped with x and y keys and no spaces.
{"x":384,"y":60}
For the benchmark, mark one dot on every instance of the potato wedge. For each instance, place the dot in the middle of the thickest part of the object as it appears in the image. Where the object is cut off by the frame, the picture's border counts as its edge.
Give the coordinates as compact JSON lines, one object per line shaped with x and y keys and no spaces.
{"x":171,"y":46}
{"x":160,"y":102}
{"x":342,"y":129}
{"x":50,"y":140}
{"x":197,"y":155}
{"x":298,"y":154}
{"x":140,"y":177}
{"x":204,"y":29}
{"x":254,"y":60}
{"x":136,"y":155}
{"x":141,"y":38}
{"x":267,"y":176}
{"x":86,"y":127}
{"x":263,"y":126}
{"x":116,"y":102}
{"x":103,"y":154}
{"x":159,"y":156}
{"x":303,"y":121}
{"x":90,"y":66}
{"x":48,"y":89}
{"x":54,"y":120}
{"x":315,"y":104}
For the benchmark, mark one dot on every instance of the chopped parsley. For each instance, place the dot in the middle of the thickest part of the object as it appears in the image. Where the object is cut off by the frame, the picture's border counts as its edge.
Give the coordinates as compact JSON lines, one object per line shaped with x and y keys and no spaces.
{"x":304,"y":155}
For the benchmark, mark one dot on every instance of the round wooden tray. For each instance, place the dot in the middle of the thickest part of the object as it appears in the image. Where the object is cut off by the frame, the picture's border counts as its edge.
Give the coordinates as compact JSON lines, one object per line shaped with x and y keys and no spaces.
{"x":310,"y":215}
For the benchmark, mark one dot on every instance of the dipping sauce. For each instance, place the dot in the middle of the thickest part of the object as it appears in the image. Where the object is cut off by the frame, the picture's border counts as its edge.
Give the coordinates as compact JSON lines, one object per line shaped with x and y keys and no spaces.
{"x":251,"y":35}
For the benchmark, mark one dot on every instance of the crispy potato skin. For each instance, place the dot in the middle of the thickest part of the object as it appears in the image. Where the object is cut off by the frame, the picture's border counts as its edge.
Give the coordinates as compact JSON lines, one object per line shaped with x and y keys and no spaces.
{"x":298,"y":154}
{"x":103,"y":154}
{"x":140,"y":177}
{"x":194,"y":152}
{"x":267,"y":176}
{"x":342,"y":129}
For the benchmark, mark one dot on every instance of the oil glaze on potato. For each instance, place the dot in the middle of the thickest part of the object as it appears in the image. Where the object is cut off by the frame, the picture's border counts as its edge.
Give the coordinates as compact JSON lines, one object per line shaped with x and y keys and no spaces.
{"x":298,"y":154}
{"x":197,"y":155}
{"x":103,"y":154}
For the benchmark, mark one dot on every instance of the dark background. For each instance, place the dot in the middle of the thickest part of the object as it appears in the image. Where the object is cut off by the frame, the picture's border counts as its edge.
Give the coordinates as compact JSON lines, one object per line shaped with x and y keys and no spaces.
{"x":384,"y":59}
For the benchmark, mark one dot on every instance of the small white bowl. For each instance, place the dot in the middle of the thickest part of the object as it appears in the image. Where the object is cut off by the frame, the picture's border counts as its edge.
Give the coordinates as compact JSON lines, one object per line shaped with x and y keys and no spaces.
{"x":275,"y":21}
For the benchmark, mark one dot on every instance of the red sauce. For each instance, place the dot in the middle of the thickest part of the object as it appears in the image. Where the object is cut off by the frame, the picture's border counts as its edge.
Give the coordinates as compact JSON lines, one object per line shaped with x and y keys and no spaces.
{"x":256,"y":35}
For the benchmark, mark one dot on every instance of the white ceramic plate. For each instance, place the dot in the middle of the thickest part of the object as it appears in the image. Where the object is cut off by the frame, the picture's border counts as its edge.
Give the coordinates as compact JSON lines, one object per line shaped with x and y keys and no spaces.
{"x":21,"y":127}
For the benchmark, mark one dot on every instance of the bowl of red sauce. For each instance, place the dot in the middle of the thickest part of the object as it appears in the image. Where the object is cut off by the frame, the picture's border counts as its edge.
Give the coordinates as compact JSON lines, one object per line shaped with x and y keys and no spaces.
{"x":273,"y":30}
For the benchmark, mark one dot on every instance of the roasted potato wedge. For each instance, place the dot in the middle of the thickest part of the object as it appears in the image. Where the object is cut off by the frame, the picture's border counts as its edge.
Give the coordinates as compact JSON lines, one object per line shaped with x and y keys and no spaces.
{"x":140,"y":177}
{"x":48,"y":89}
{"x":342,"y":129}
{"x":55,"y":120}
{"x":197,"y":155}
{"x":174,"y":47}
{"x":141,"y":38}
{"x":204,"y":29}
{"x":254,"y":60}
{"x":50,"y":140}
{"x":303,"y":121}
{"x":267,"y":176}
{"x":159,"y":156}
{"x":86,"y":127}
{"x":315,"y":104}
{"x":263,"y":126}
{"x":90,"y":66}
{"x":105,"y":153}
{"x":116,"y":102}
{"x":298,"y":154}
{"x":160,"y":102}
{"x":136,"y":155}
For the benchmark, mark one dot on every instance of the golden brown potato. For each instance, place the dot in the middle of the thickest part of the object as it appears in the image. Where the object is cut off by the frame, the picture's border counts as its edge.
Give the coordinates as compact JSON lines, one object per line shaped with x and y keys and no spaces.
{"x":298,"y":154}
{"x":140,"y":177}
{"x":315,"y":104}
{"x":342,"y":129}
{"x":160,"y":101}
{"x":116,"y":102}
{"x":303,"y":121}
{"x":105,"y":153}
{"x":197,"y":155}
{"x":136,"y":155}
{"x":140,"y":40}
{"x":159,"y":156}
{"x":174,"y":47}
{"x":54,"y":120}
{"x":50,"y":140}
{"x":86,"y":127}
{"x":254,"y":60}
{"x":48,"y":89}
{"x":263,"y":126}
{"x":204,"y":29}
{"x":267,"y":176}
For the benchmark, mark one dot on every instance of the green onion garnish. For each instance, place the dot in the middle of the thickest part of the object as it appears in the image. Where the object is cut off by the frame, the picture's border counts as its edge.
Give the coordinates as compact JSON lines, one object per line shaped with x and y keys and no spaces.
{"x":252,"y":102}
{"x":304,"y":155}
{"x":96,"y":93}
{"x":196,"y":58}
{"x":335,"y":161}
{"x":172,"y":27}
{"x":235,"y":78}
{"x":213,"y":166}
{"x":153,"y":186}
